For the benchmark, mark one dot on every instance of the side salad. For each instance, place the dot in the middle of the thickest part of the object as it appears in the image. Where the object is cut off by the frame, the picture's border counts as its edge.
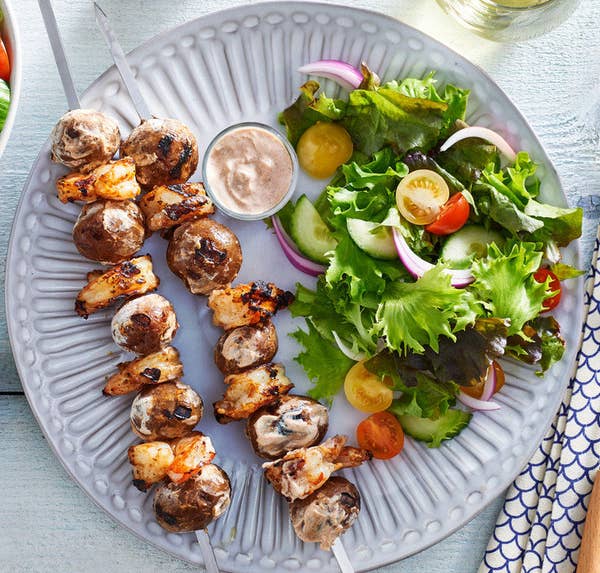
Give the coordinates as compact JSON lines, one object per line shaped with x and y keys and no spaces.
{"x":434,"y":254}
{"x":4,"y":82}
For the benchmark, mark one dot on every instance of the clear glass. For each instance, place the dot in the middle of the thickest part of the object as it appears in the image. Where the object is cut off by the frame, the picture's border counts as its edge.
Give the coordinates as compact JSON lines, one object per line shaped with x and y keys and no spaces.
{"x":286,"y":197}
{"x":509,"y":20}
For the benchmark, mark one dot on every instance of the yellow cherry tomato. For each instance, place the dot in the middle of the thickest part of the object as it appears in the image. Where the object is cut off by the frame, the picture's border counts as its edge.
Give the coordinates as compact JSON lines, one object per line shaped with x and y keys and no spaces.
{"x":365,"y":391}
{"x":323,"y":148}
{"x":421,"y":195}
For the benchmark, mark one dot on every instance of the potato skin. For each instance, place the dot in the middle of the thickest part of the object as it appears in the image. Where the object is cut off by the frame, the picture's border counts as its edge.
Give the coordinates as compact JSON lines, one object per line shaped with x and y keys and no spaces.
{"x":145,"y":324}
{"x":193,"y":504}
{"x":165,"y":152}
{"x":109,"y":232}
{"x":299,"y":408}
{"x":166,"y":411}
{"x":246,"y":347}
{"x":205,"y":255}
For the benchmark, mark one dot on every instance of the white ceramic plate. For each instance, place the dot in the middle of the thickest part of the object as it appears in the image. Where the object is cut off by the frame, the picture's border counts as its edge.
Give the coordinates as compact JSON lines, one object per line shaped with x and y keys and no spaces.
{"x":239,"y":65}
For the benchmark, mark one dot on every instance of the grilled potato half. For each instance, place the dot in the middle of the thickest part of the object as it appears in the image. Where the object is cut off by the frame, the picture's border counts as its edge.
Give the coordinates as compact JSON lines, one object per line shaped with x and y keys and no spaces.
{"x":162,"y":366}
{"x":133,"y":277}
{"x":115,"y":180}
{"x":169,"y":205}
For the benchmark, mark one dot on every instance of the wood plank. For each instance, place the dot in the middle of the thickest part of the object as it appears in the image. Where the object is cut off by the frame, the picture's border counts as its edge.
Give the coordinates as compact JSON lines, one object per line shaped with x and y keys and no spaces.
{"x":49,"y":524}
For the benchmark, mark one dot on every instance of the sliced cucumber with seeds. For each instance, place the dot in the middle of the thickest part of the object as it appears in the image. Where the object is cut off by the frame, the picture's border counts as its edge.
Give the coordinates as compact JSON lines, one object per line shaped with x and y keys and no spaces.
{"x":434,"y":432}
{"x":372,"y":238}
{"x":468,"y":243}
{"x":309,"y":232}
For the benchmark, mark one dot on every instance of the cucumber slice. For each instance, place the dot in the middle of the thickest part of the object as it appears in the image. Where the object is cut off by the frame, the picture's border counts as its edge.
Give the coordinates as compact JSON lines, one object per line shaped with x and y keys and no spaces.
{"x":4,"y":102}
{"x":378,"y":243}
{"x":309,"y":232}
{"x":434,"y":432}
{"x":468,"y":243}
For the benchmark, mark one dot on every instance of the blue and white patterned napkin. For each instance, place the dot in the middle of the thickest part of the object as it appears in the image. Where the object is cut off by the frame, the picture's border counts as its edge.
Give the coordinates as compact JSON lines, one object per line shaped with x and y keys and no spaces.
{"x":540,"y":526}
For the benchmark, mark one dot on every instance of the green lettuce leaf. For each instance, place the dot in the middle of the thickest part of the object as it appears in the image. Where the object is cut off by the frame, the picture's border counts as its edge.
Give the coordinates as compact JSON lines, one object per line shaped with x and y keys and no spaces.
{"x":564,"y":272}
{"x":368,"y":190}
{"x":330,"y":313}
{"x":323,"y":362}
{"x":428,"y":398}
{"x":413,"y":315}
{"x":506,"y":285}
{"x":499,"y":208}
{"x":455,"y":98}
{"x":362,"y":278}
{"x":375,"y":119}
{"x":418,"y":160}
{"x":468,"y":158}
{"x":308,"y":109}
{"x":463,"y":362}
{"x":558,"y":224}
{"x":518,"y":183}
{"x":539,"y":343}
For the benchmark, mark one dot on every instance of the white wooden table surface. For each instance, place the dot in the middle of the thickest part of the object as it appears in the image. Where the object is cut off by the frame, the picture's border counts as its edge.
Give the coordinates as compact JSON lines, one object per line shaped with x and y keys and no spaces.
{"x":47,"y":523}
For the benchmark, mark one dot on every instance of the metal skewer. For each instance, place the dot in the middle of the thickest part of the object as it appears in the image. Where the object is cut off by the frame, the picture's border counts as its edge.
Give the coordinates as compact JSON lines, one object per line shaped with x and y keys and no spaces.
{"x":118,"y":56}
{"x":342,"y":557}
{"x":59,"y":54}
{"x":120,"y":61}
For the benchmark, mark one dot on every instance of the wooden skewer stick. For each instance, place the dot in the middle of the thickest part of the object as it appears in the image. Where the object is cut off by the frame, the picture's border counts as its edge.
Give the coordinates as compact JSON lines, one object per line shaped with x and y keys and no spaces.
{"x":59,"y":53}
{"x":208,"y":554}
{"x":342,"y":557}
{"x":589,"y":553}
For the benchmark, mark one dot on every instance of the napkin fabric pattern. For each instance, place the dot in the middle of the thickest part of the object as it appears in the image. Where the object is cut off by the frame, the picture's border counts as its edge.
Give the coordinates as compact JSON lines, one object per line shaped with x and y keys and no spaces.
{"x":540,"y":526}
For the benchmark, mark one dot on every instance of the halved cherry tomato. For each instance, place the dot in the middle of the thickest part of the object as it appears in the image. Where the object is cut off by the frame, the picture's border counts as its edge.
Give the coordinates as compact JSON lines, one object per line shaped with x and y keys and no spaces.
{"x":381,"y":434}
{"x":541,"y":276}
{"x":477,"y":390}
{"x":452,"y":217}
{"x":4,"y":64}
{"x":421,"y":195}
{"x":365,"y":391}
{"x":322,"y":148}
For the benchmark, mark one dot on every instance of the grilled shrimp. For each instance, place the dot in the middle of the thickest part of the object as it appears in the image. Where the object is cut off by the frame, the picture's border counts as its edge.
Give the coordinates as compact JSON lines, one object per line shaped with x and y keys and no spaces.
{"x":191,"y":453}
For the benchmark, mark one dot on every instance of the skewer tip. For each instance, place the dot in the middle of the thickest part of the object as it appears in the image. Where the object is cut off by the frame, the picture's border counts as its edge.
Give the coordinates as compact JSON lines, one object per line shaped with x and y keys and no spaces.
{"x":99,"y":11}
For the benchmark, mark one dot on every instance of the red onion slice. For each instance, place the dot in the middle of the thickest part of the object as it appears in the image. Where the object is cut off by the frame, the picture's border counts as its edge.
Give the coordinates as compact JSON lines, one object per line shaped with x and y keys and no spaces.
{"x":490,"y":384}
{"x":297,"y":259}
{"x":417,"y":266}
{"x":341,"y":72}
{"x":477,"y":404}
{"x":482,"y":133}
{"x":346,"y":351}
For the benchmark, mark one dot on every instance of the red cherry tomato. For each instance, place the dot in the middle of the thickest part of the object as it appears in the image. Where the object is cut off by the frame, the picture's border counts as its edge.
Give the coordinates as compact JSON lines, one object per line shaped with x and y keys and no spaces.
{"x":381,"y":434}
{"x":452,"y":217}
{"x":552,"y":301}
{"x":4,"y":63}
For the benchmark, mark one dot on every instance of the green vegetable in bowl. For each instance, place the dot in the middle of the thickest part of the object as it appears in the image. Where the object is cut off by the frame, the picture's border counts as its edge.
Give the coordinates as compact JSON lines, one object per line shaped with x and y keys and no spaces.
{"x":4,"y":102}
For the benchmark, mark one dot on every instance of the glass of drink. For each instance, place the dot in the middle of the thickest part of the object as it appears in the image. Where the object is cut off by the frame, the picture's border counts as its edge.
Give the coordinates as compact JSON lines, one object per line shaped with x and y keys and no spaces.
{"x":509,"y":20}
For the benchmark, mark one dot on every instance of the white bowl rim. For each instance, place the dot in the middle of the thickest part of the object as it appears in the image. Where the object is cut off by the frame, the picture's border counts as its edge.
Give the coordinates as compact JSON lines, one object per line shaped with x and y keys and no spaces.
{"x":11,"y":28}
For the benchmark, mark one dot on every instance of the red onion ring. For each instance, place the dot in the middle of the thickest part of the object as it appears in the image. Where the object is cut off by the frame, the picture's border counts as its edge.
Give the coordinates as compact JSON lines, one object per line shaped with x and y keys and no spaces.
{"x":288,"y":247}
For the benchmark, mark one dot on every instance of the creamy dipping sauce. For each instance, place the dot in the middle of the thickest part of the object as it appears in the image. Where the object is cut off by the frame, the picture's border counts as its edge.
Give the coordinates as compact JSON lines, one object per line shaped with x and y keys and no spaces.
{"x":248,"y":170}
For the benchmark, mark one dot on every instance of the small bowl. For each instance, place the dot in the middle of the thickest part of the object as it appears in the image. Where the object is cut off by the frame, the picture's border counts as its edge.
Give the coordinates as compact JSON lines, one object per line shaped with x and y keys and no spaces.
{"x":286,"y":197}
{"x":10,"y":34}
